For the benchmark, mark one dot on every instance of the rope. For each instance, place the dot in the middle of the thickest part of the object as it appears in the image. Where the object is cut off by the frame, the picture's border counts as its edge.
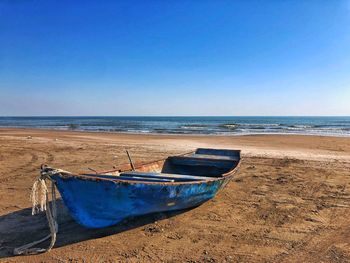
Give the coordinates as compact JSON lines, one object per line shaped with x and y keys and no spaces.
{"x":40,"y":201}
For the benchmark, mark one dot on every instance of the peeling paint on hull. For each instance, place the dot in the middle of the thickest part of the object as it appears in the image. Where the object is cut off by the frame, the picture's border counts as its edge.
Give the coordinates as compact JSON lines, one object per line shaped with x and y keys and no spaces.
{"x":106,"y":203}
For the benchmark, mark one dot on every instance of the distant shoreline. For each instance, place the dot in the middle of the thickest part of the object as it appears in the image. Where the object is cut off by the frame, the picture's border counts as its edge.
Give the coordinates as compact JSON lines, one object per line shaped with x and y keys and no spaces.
{"x":271,"y":146}
{"x":154,"y":134}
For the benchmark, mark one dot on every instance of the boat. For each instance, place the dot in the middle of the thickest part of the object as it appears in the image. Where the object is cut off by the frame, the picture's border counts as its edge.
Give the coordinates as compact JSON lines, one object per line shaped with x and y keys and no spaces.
{"x":103,"y":199}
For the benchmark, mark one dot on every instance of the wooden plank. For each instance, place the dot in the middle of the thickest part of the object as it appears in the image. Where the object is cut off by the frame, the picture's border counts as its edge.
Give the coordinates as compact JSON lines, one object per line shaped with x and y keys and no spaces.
{"x":137,"y":178}
{"x":215,"y":157}
{"x":218,"y":152}
{"x":191,"y":161}
{"x":129,"y":178}
{"x":169,"y":176}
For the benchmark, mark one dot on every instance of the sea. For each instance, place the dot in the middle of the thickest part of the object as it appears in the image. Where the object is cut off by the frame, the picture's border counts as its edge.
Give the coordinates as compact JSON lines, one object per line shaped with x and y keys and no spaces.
{"x":230,"y":125}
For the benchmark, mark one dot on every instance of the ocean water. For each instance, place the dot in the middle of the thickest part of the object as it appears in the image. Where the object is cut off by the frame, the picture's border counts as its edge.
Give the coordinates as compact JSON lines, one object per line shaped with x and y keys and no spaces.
{"x":335,"y":126}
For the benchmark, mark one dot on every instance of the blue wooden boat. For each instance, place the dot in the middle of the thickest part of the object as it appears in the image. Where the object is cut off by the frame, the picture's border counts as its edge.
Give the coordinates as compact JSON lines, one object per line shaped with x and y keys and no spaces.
{"x":106,"y":198}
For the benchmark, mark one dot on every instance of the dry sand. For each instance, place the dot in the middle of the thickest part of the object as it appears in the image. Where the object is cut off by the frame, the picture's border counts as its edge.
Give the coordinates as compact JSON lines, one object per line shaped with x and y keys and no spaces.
{"x":290,"y":201}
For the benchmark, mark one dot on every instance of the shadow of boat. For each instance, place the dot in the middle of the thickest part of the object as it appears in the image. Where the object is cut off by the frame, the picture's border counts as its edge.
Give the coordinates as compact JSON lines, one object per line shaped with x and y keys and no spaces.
{"x":20,"y":227}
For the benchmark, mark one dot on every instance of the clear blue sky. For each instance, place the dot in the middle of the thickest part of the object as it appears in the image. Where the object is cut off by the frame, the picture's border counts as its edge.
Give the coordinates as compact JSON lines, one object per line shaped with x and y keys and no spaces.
{"x":174,"y":57}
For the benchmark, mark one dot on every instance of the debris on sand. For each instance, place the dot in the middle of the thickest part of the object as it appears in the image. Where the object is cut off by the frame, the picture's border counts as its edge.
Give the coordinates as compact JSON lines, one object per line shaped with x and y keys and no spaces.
{"x":154,"y":228}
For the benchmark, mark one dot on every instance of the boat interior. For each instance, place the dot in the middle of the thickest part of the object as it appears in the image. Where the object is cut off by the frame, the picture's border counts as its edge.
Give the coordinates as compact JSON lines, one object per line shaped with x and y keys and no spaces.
{"x":201,"y":165}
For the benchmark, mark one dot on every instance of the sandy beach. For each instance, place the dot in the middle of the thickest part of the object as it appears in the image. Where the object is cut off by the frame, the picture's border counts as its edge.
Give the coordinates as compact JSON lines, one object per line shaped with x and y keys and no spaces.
{"x":289,"y":202}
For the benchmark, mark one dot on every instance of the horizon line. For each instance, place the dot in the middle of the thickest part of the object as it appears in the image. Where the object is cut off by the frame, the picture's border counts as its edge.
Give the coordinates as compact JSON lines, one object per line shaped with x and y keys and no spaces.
{"x":165,"y":116}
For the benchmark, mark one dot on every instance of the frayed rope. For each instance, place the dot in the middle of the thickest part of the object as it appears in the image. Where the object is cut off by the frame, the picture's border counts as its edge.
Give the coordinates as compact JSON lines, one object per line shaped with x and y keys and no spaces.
{"x":40,"y":201}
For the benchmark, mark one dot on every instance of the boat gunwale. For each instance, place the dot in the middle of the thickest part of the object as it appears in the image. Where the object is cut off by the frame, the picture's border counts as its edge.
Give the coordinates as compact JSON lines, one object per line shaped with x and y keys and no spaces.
{"x":117,"y":180}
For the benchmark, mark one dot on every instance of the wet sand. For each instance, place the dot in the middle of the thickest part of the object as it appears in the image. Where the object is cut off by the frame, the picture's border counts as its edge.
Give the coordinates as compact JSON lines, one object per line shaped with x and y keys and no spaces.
{"x":290,"y":201}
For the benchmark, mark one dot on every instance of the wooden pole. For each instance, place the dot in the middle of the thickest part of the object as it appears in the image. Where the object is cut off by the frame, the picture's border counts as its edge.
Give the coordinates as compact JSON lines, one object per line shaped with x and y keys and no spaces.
{"x":131,"y":163}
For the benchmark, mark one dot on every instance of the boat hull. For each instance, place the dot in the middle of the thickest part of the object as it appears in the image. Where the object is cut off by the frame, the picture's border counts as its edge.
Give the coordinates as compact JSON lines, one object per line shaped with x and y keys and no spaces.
{"x":96,"y":203}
